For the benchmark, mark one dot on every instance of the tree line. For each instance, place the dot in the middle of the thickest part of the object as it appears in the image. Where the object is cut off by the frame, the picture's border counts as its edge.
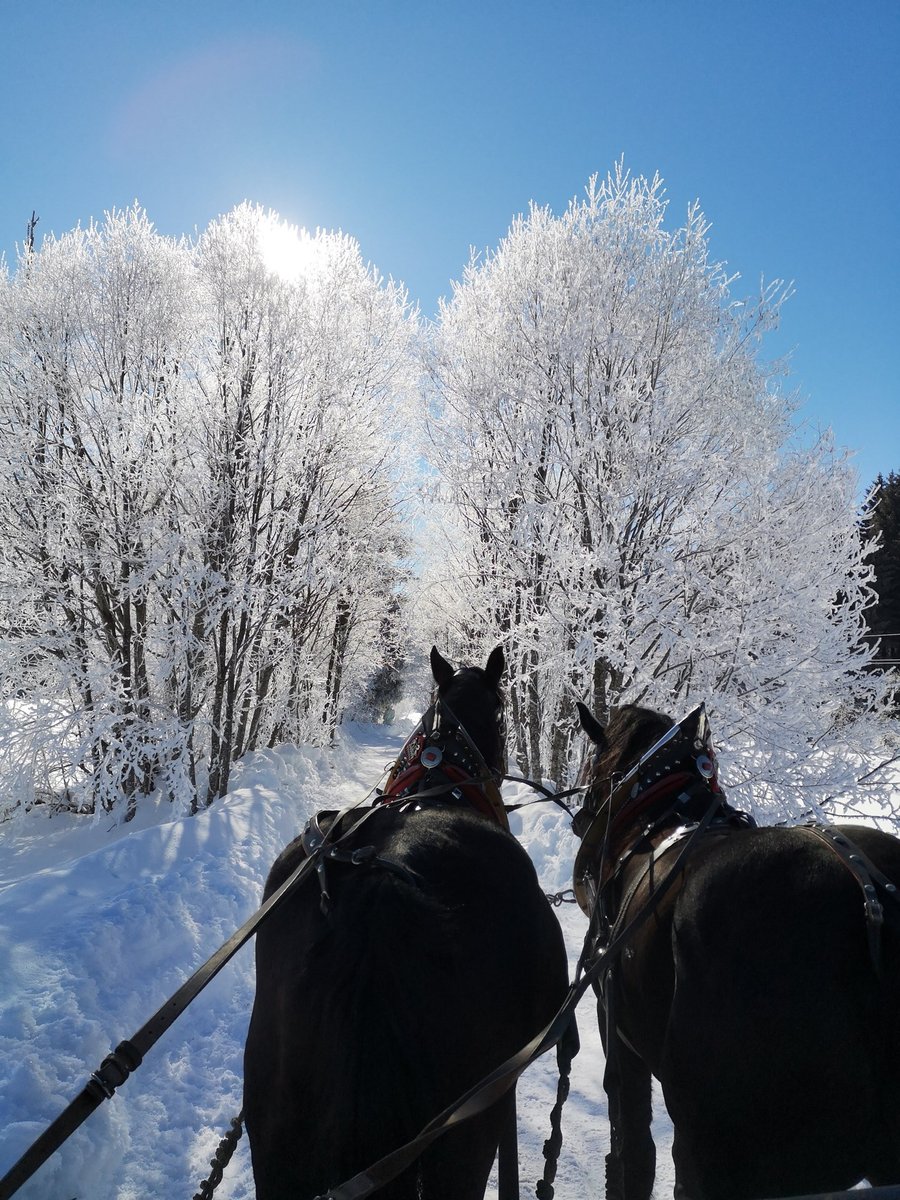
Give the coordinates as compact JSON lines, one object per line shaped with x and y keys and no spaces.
{"x":235,"y":498}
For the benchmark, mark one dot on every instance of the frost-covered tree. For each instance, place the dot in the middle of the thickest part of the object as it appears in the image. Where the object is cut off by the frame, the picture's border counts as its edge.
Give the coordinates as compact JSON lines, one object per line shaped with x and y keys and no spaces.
{"x":299,"y":378}
{"x":199,"y":539}
{"x":634,"y":509}
{"x":92,"y":412}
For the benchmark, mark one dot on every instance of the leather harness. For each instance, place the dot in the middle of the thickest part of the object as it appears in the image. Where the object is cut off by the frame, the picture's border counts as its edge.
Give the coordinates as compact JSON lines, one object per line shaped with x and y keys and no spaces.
{"x":439,"y":763}
{"x":439,"y":759}
{"x":869,"y":878}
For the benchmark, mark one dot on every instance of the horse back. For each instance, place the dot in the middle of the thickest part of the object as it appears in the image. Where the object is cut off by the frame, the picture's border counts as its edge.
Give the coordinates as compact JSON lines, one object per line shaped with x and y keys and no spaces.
{"x":760,"y":923}
{"x":772,"y":917}
{"x":427,"y":973}
{"x":782,"y":1019}
{"x":786,"y":886}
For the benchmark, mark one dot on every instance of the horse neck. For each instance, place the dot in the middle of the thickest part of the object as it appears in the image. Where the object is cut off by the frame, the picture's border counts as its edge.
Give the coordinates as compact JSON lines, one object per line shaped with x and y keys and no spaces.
{"x":650,"y":815}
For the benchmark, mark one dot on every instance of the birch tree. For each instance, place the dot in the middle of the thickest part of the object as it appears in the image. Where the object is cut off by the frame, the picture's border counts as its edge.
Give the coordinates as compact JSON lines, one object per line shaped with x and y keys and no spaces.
{"x":636,"y":510}
{"x":200,"y":538}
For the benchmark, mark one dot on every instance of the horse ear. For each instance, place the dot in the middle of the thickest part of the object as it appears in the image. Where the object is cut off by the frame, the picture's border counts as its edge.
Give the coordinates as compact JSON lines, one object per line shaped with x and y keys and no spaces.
{"x":496,"y":665}
{"x":591,"y":725}
{"x":440,"y":668}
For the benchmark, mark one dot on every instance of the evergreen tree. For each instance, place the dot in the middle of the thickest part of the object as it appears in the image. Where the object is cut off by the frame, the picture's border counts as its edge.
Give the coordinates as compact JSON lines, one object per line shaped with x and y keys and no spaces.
{"x":884,"y":522}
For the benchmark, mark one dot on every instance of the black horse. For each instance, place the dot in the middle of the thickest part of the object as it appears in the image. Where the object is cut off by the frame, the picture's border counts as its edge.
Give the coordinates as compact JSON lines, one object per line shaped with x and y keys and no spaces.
{"x":438,"y":958}
{"x":754,"y":971}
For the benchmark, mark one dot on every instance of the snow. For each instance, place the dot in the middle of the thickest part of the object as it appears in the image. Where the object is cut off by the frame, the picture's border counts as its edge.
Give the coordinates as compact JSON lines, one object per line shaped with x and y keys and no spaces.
{"x":100,"y":924}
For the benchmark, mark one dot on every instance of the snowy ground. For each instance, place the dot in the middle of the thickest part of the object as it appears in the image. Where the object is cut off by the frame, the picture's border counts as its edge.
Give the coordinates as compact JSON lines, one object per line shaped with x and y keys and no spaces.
{"x":100,"y":924}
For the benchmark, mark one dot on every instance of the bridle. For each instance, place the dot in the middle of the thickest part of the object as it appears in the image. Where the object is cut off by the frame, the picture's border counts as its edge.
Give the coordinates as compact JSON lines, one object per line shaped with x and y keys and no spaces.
{"x":674,"y":781}
{"x":440,"y":762}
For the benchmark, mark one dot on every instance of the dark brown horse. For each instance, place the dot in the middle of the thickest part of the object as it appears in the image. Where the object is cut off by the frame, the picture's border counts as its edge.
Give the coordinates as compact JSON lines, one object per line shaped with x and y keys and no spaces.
{"x":754,"y":971}
{"x":437,"y":959}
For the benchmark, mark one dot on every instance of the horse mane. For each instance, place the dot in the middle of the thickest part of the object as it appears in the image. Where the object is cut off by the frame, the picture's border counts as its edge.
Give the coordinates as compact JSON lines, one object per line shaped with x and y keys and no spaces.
{"x":631,"y":731}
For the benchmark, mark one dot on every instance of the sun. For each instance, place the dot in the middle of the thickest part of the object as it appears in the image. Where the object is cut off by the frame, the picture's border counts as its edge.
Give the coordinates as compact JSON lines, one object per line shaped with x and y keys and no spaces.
{"x":288,"y":251}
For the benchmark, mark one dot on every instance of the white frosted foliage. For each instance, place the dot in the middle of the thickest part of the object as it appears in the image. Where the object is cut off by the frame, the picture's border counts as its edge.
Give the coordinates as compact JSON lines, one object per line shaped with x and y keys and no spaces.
{"x":634,"y":506}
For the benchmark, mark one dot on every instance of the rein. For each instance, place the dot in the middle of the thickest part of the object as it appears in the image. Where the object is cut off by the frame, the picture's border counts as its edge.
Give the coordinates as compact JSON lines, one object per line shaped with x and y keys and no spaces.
{"x":591,"y":965}
{"x":128,"y":1055}
{"x":557,"y":798}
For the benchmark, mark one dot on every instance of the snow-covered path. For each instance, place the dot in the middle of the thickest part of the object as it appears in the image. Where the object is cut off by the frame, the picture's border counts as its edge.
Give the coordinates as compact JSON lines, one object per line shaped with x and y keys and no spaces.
{"x":99,"y":925}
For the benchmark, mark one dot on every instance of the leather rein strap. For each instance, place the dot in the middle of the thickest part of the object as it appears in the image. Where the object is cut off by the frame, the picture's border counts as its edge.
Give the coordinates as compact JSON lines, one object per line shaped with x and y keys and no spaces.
{"x":128,"y":1055}
{"x":495,"y":1085}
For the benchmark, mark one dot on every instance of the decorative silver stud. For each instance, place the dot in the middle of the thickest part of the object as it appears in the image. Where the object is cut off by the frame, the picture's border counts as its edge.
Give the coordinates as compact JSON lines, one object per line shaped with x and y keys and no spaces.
{"x":706,"y":766}
{"x":431,"y":756}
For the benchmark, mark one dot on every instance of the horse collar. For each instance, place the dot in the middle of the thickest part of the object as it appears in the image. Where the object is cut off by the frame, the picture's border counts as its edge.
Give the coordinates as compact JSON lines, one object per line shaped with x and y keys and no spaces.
{"x":440,"y":760}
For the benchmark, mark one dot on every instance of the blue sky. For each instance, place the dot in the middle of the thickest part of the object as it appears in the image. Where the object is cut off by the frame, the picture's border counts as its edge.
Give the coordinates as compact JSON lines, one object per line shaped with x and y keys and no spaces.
{"x":423,"y":127}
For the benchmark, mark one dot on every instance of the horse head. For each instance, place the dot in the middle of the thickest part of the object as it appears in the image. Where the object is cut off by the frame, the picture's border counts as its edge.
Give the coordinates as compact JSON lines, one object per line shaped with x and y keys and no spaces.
{"x":644,"y":773}
{"x":612,"y":752}
{"x":473,"y":698}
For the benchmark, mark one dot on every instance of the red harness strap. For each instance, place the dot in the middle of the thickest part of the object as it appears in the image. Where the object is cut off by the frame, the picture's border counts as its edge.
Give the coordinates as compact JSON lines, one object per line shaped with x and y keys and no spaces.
{"x":650,"y":797}
{"x":409,"y":771}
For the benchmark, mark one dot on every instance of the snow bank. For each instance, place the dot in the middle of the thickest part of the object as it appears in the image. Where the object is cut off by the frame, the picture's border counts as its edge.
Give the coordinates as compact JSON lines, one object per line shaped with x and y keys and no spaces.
{"x":100,"y":924}
{"x":98,"y":927}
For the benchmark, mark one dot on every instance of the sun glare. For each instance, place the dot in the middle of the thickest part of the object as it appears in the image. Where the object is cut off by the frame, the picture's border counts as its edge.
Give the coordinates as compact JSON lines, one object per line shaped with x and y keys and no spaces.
{"x":288,"y":251}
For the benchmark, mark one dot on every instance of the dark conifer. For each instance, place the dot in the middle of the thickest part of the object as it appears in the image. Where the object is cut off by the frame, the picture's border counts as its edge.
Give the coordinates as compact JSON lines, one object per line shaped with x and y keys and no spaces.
{"x":884,"y":516}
